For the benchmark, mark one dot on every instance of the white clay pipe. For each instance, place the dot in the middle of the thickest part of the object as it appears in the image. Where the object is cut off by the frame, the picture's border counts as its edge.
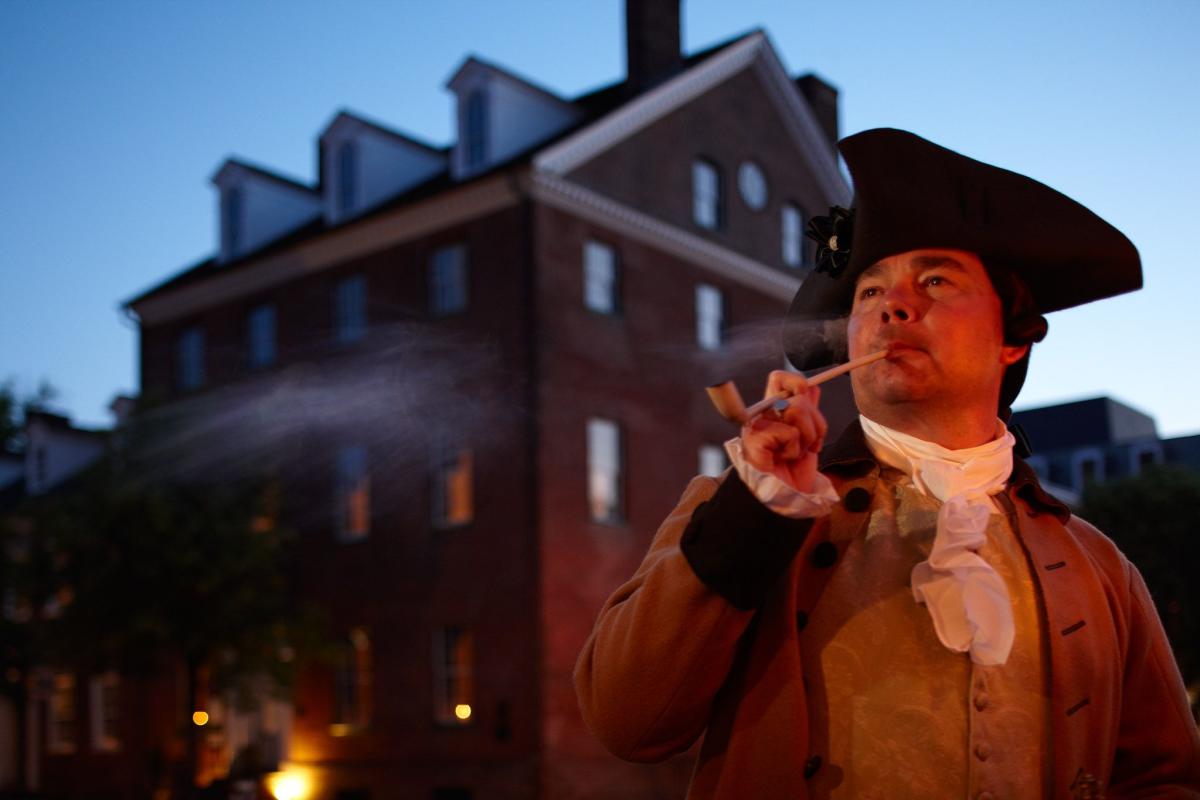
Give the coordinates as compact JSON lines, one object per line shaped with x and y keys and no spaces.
{"x":728,"y":400}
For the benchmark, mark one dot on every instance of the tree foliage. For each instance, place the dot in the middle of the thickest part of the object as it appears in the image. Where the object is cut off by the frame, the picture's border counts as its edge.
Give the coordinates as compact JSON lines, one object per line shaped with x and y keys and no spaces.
{"x":1154,"y":518}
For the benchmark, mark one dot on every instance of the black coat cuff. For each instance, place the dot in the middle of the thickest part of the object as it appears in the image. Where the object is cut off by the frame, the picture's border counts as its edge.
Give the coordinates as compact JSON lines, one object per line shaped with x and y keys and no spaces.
{"x":738,"y":547}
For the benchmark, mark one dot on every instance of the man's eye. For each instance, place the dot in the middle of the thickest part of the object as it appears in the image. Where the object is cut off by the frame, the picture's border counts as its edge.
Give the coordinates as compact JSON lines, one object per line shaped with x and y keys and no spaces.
{"x":936,"y":280}
{"x":868,"y":291}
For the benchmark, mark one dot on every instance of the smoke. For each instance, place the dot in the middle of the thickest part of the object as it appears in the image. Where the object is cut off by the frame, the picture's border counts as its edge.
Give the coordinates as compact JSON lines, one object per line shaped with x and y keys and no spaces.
{"x":403,"y":391}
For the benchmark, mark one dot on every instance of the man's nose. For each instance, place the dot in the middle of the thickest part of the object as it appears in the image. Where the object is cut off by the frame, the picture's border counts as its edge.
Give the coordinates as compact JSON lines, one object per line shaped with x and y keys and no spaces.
{"x":898,"y":306}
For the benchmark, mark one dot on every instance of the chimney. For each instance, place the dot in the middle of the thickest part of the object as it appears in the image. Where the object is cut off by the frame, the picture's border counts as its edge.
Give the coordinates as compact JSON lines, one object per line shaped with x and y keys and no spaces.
{"x":823,"y":100}
{"x":652,"y":43}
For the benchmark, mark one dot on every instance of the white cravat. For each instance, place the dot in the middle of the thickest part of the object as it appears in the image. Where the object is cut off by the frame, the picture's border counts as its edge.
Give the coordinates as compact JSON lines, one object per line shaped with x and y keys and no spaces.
{"x":966,"y":598}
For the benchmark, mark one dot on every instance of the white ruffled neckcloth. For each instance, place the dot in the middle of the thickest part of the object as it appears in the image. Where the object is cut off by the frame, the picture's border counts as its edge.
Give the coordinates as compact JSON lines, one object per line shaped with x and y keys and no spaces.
{"x":965,"y":596}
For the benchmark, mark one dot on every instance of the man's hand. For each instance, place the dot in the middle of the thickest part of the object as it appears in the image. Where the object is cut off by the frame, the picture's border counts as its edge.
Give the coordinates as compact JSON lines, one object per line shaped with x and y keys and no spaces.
{"x":785,"y":444}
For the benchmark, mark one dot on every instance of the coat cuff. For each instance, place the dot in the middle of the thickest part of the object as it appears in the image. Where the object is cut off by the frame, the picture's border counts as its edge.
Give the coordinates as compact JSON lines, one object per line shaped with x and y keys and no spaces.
{"x":738,"y":547}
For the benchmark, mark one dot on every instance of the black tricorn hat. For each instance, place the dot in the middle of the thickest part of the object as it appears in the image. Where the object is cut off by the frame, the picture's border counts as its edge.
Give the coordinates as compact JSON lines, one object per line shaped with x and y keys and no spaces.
{"x":911,"y":194}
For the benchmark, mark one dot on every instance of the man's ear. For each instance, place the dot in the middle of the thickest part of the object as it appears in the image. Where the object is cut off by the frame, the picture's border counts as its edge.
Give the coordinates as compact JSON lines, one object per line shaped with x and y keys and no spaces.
{"x":1012,"y":353}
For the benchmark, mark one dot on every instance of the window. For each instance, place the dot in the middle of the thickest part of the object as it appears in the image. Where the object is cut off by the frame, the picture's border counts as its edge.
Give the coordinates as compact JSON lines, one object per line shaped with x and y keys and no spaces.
{"x":105,"y":705}
{"x":605,"y":463}
{"x":262,"y":336}
{"x":453,"y":503}
{"x":476,"y":125}
{"x":1143,"y":456}
{"x":752,"y":184}
{"x":190,"y":359}
{"x":454,"y":679}
{"x":61,"y":727}
{"x":1087,"y":466}
{"x":710,"y":317}
{"x":792,"y":226}
{"x":350,"y":309}
{"x":347,"y":158}
{"x":353,"y":493}
{"x":706,"y":195}
{"x":231,"y":220}
{"x":352,"y":685}
{"x":448,"y":280}
{"x":599,"y":277}
{"x":712,"y":460}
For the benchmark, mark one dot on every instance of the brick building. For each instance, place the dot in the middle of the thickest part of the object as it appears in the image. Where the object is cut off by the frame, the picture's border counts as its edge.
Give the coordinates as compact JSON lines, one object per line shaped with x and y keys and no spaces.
{"x":477,"y":371}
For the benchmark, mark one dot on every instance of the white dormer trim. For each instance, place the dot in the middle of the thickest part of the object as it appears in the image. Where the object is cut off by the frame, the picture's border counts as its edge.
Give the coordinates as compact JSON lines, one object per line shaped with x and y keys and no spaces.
{"x":754,"y":51}
{"x":256,"y":207}
{"x":517,"y":114}
{"x":386,"y":163}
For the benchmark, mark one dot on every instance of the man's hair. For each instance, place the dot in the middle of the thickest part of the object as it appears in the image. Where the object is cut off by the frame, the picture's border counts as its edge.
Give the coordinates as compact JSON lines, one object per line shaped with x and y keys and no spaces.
{"x":1023,"y":323}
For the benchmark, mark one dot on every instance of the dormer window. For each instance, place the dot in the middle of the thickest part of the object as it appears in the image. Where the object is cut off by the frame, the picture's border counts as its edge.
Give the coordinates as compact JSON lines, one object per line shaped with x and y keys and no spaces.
{"x":231,"y":222}
{"x":347,"y":159}
{"x":792,"y":225}
{"x":476,"y":128}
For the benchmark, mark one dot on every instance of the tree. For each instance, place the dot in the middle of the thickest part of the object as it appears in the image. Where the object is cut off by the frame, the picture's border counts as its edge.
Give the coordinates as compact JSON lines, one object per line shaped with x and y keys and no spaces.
{"x":146,"y":569}
{"x":1153,"y":519}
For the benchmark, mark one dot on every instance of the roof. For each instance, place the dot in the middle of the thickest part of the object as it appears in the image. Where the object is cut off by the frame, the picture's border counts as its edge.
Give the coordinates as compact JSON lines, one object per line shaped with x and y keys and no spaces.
{"x":1096,"y":421}
{"x":594,"y":104}
{"x":263,"y":172}
{"x":380,"y":128}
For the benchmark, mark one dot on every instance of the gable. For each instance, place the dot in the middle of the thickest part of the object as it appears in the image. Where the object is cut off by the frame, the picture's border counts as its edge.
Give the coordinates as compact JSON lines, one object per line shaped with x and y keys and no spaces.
{"x":735,"y":121}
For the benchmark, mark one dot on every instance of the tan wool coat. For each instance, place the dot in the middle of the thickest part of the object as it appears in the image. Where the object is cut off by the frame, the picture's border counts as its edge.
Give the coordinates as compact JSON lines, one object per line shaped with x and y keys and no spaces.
{"x":704,"y":640}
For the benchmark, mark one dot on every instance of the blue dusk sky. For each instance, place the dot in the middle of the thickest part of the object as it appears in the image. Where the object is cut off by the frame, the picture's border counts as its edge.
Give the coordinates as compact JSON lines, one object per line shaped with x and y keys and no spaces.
{"x":117,"y":113}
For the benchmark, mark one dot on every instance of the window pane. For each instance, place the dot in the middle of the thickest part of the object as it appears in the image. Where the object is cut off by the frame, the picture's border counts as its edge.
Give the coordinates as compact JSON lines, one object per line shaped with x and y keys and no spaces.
{"x":448,"y":280}
{"x":347,"y":167}
{"x":792,"y":224}
{"x":712,"y":460}
{"x":353,"y":493}
{"x":453,"y":502}
{"x":476,"y":128}
{"x":599,"y":277}
{"x":454,"y":678}
{"x":350,"y":309}
{"x":190,"y":358}
{"x":352,"y":678}
{"x":605,"y":463}
{"x":233,"y":220}
{"x":706,"y":194}
{"x":709,"y":317}
{"x":61,"y":727}
{"x":262,"y":336}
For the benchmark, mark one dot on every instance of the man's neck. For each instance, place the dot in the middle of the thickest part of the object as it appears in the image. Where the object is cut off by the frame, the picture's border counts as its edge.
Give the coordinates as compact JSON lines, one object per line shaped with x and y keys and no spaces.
{"x":956,"y":430}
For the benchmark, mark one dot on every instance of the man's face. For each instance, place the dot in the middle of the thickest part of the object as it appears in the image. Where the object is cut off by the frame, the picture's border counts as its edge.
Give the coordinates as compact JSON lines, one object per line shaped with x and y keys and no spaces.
{"x":937,"y":312}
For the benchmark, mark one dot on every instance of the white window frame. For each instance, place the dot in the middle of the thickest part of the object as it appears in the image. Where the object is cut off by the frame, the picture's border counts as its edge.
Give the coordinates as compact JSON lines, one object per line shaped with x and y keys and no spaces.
{"x":353,"y":475}
{"x":350,"y":309}
{"x":791,"y":228}
{"x":189,"y":352}
{"x":706,"y":194}
{"x":605,"y":471}
{"x":712,"y":460}
{"x":600,"y":278}
{"x":261,"y":328}
{"x":104,"y":696}
{"x":710,"y":317}
{"x":453,"y":675}
{"x":449,"y":280}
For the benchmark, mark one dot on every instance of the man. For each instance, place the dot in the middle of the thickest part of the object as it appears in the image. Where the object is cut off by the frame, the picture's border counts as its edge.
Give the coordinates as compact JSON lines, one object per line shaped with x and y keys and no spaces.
{"x":904,"y":613}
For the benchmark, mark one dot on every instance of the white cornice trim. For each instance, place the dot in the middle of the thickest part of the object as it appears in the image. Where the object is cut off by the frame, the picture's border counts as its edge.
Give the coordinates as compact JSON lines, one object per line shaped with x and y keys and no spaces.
{"x":354,"y":241}
{"x":575,"y":199}
{"x":650,"y":107}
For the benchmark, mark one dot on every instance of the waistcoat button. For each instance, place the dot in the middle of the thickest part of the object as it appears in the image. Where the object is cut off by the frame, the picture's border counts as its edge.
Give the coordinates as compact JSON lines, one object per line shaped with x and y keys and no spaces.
{"x":801,"y":620}
{"x":824,"y":554}
{"x":857,"y":499}
{"x":981,"y":701}
{"x":982,"y":751}
{"x":811,"y":766}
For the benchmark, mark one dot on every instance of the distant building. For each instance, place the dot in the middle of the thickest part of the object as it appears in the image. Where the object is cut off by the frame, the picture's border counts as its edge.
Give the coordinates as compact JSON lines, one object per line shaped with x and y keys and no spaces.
{"x":478,"y":373}
{"x":1096,"y":440}
{"x":54,"y":452}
